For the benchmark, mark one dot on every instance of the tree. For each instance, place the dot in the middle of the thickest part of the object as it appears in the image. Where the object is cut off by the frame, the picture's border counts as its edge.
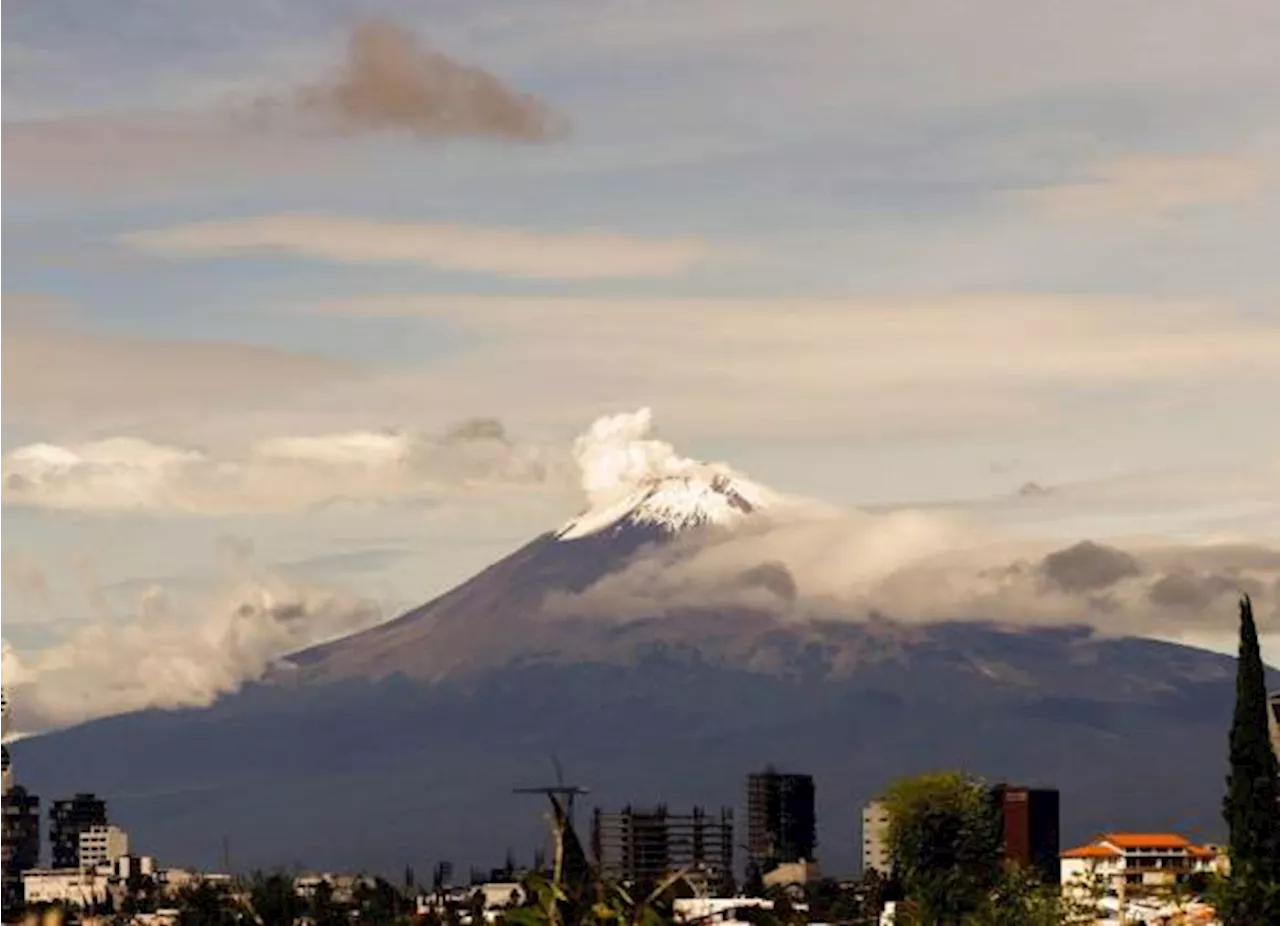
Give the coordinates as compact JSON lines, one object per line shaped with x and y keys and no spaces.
{"x":205,"y":904}
{"x":1252,"y":803}
{"x":944,"y":838}
{"x":1020,"y":898}
{"x":274,"y":899}
{"x":380,"y":902}
{"x":324,"y":910}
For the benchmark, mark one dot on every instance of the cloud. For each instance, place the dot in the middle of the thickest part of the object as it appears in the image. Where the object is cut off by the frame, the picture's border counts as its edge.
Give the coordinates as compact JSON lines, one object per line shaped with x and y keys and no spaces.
{"x":276,"y":474}
{"x":921,"y":567}
{"x":168,"y":656}
{"x":805,"y":562}
{"x":57,"y":376}
{"x":27,"y":578}
{"x":864,"y":365}
{"x":390,"y":80}
{"x":1087,"y":566}
{"x":501,"y":251}
{"x":1156,"y":188}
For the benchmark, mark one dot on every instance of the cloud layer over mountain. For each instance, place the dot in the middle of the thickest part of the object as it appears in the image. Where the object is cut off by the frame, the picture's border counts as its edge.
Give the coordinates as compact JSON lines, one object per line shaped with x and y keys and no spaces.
{"x":171,"y":655}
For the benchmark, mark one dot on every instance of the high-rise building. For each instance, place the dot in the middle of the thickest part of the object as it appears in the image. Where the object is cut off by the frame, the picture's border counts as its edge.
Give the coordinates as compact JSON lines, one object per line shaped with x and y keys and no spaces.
{"x":102,"y":845}
{"x":68,"y":818}
{"x":781,"y":826}
{"x":875,"y":839}
{"x":21,"y":841}
{"x":1029,"y":818}
{"x":643,"y":846}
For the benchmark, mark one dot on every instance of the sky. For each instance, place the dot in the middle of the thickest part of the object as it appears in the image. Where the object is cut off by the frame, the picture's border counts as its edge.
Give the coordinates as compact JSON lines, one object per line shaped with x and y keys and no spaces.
{"x":314,"y":298}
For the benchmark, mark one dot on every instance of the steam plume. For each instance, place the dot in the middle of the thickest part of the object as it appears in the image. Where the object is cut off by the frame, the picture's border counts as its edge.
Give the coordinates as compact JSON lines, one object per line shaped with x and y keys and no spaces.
{"x":616,"y":455}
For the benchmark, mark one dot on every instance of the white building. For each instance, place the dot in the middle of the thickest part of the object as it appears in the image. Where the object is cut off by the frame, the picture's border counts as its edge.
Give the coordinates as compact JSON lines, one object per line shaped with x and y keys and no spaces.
{"x":496,"y":896}
{"x":72,"y":886}
{"x":723,"y":911}
{"x":85,"y":886}
{"x":875,"y":839}
{"x":102,"y":845}
{"x":1135,"y":862}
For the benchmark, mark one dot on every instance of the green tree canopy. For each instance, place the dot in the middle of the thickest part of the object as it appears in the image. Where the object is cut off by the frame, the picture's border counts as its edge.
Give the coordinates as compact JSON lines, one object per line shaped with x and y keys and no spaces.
{"x":1252,"y":804}
{"x":944,"y":838}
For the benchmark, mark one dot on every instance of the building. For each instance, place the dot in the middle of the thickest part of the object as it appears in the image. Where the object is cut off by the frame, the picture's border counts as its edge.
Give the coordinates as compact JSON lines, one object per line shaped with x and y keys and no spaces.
{"x":67,"y":819}
{"x":87,"y":886}
{"x":722,"y":911}
{"x":1133,"y":863}
{"x":781,"y":826}
{"x":1029,"y":820}
{"x":21,"y":840}
{"x":644,"y":846}
{"x":72,"y":887}
{"x":875,"y":839}
{"x":102,"y":845}
{"x":492,"y":898}
{"x":793,"y":874}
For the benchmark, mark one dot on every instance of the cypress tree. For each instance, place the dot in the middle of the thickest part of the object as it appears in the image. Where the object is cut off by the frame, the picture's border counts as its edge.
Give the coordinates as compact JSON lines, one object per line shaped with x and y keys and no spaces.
{"x":1252,"y":804}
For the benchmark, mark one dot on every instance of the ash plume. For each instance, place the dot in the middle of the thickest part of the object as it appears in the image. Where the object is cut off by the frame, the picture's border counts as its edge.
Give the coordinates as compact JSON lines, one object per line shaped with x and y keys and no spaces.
{"x":391,"y":81}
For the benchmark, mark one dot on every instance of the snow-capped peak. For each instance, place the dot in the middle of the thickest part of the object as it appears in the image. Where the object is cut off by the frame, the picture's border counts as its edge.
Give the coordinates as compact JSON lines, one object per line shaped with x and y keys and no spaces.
{"x":709,"y":496}
{"x":629,"y":476}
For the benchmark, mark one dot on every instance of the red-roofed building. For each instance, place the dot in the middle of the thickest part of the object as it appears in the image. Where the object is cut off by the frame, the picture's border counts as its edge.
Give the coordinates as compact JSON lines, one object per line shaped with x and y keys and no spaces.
{"x":1136,"y":861}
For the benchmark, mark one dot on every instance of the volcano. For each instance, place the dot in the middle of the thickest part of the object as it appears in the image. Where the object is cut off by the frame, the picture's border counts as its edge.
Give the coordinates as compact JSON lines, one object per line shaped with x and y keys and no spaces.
{"x":502,"y":614}
{"x":401,"y":744}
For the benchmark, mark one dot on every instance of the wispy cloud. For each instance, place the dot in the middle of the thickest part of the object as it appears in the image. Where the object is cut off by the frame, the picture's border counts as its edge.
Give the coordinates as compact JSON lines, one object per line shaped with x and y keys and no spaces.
{"x":61,"y":375}
{"x":1156,"y":188}
{"x":502,"y":251}
{"x":816,"y":364}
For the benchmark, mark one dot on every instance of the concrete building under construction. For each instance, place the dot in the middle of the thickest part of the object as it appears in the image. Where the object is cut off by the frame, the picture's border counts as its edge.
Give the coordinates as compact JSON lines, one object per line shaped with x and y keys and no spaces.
{"x":643,"y":846}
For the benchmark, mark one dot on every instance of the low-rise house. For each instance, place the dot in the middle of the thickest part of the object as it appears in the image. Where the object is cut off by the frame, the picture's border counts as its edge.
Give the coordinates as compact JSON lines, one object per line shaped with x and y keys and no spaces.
{"x":491,"y":897}
{"x":1134,"y":862}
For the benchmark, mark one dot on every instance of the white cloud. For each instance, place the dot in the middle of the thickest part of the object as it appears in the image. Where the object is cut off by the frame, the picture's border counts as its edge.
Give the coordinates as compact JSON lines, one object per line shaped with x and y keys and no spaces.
{"x":1156,"y":188}
{"x":502,"y":251}
{"x":279,"y":474}
{"x":921,"y":567}
{"x":164,"y":657}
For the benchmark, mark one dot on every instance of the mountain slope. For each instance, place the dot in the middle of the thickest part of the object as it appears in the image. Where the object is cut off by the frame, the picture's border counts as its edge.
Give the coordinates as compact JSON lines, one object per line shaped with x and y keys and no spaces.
{"x":400,"y":745}
{"x":498,"y":615}
{"x":375,"y":775}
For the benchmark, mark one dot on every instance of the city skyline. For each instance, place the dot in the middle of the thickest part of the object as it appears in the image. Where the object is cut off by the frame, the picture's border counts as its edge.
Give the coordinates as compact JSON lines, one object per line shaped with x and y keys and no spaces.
{"x":272,"y":334}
